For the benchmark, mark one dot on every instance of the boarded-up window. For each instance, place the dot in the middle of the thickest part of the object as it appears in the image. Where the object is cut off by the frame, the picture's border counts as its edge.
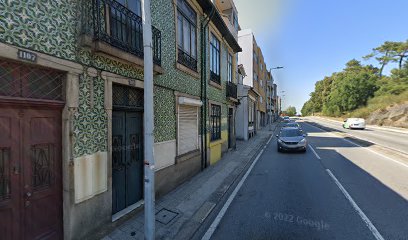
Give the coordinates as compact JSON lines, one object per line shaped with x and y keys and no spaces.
{"x":188,"y":129}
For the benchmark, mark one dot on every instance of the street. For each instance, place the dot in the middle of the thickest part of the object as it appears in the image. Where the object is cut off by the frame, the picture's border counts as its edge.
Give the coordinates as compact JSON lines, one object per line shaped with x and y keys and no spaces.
{"x":381,"y":136}
{"x":336,"y":190}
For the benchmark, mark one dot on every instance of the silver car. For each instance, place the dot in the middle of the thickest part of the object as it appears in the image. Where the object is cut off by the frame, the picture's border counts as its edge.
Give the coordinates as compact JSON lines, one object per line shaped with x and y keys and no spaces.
{"x":291,"y":139}
{"x":292,"y":124}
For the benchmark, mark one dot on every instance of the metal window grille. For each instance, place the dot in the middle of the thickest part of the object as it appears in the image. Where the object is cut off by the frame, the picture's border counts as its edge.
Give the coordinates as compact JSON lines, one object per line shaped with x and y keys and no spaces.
{"x":215,"y":119}
{"x":24,"y":81}
{"x":187,"y":35}
{"x":119,"y":26}
{"x":127,"y":97}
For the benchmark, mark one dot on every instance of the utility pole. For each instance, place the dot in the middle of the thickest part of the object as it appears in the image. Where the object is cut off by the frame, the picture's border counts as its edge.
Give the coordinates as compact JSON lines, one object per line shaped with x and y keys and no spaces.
{"x":149,"y":201}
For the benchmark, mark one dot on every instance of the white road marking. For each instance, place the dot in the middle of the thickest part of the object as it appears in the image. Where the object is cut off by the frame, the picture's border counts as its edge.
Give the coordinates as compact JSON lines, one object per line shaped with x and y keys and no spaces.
{"x":315,"y":153}
{"x":367,"y":221}
{"x":385,"y":129}
{"x":365,"y":139}
{"x":358,"y":145}
{"x":221,"y":214}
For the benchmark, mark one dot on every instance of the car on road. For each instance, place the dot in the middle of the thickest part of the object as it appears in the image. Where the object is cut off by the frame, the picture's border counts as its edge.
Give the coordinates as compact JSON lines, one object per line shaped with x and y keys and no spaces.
{"x":286,"y":119}
{"x":292,"y":124}
{"x":291,"y":139}
{"x":354,"y":123}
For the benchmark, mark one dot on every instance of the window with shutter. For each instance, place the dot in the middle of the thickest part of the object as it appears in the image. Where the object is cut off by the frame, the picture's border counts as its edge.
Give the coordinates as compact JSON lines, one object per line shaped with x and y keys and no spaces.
{"x":188,"y":129}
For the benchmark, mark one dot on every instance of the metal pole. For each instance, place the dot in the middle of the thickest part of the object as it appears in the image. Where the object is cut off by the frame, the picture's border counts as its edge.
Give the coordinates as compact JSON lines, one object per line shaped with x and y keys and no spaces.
{"x":149,"y":201}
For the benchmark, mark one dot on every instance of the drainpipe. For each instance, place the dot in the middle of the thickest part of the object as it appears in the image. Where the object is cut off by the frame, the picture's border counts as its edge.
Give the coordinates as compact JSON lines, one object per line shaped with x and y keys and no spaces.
{"x":204,"y":25}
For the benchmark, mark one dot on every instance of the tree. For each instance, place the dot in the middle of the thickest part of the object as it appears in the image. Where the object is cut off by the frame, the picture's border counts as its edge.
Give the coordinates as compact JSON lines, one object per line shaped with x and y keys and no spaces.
{"x":401,"y":52}
{"x":390,"y":52}
{"x":291,"y":111}
{"x":353,"y":87}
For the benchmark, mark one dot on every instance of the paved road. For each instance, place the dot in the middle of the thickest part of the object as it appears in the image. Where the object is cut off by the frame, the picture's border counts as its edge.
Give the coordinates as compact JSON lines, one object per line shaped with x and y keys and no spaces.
{"x":341,"y":192}
{"x":383,"y":137}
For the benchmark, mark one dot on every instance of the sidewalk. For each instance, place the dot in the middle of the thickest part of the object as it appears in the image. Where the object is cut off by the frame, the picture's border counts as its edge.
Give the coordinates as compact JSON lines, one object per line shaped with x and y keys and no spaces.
{"x":181,"y":212}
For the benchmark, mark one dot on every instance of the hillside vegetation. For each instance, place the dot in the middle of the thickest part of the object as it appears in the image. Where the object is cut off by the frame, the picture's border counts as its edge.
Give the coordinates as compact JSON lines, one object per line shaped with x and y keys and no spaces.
{"x":361,"y":90}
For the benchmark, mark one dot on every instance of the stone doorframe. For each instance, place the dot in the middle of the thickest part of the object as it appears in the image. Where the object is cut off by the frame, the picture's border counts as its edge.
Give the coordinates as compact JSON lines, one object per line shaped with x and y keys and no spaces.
{"x":109,"y":79}
{"x":73,"y":71}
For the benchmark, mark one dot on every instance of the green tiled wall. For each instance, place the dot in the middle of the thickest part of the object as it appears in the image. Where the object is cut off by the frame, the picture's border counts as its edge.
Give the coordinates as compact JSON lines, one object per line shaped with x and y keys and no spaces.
{"x":52,"y":27}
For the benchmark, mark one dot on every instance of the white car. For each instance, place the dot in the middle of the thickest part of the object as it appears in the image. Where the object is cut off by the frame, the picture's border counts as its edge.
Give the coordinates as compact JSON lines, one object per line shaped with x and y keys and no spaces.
{"x":354,"y":123}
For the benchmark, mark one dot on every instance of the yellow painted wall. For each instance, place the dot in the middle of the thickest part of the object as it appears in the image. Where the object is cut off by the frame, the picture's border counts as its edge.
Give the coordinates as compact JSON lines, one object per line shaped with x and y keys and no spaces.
{"x":216,"y":147}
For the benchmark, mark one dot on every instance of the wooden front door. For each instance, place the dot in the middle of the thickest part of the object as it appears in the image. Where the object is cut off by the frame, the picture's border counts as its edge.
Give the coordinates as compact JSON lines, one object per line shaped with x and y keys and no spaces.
{"x":127,"y":159}
{"x":30,"y":172}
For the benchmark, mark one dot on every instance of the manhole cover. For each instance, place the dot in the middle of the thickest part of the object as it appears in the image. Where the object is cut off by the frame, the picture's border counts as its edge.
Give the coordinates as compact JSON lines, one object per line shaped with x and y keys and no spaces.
{"x":165,"y":216}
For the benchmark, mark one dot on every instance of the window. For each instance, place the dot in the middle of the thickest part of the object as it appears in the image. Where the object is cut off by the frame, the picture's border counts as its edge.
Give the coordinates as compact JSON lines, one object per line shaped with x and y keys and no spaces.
{"x":187,"y":129}
{"x":255,"y":76}
{"x":261,"y":83}
{"x":261,"y":99}
{"x":186,"y":35}
{"x":255,"y":58}
{"x":235,"y":19}
{"x":251,"y":112}
{"x":215,"y":59}
{"x":215,"y":121}
{"x":229,"y":66}
{"x":133,"y":5}
{"x":125,"y":29}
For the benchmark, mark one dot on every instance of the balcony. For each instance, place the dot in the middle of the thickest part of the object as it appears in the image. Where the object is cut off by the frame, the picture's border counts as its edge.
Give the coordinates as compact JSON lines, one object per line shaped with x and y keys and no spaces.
{"x":186,"y":60}
{"x":110,"y":24}
{"x":232,"y":90}
{"x":215,"y":77}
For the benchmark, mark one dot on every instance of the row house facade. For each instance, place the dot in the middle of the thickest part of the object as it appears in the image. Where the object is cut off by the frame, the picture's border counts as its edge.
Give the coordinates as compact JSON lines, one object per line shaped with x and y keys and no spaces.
{"x":253,"y":92}
{"x":260,"y":82}
{"x":71,"y":107}
{"x":257,"y":91}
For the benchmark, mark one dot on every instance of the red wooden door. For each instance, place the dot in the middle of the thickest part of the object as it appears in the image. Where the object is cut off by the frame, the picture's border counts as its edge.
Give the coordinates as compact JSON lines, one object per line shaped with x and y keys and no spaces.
{"x":9,"y":174}
{"x":42,"y":195}
{"x":31,"y":155}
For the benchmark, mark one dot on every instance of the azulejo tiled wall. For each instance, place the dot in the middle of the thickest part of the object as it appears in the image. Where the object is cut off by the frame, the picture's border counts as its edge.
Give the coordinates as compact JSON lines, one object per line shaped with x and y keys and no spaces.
{"x":50,"y":26}
{"x":164,"y":114}
{"x":90,"y":125}
{"x":44,"y":26}
{"x":163,"y":18}
{"x":107,"y":64}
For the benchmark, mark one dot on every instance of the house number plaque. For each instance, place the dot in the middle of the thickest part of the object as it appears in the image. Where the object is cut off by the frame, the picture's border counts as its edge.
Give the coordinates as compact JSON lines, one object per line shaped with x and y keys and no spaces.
{"x":28,"y":56}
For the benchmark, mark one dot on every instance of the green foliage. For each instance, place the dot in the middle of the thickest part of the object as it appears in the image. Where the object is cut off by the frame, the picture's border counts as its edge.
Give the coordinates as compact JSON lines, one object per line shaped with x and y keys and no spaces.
{"x":360,"y":89}
{"x":291,"y":111}
{"x":378,"y":103}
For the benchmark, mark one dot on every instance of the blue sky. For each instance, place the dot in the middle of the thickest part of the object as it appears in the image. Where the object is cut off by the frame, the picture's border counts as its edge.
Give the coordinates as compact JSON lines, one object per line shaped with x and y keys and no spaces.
{"x":314,"y":38}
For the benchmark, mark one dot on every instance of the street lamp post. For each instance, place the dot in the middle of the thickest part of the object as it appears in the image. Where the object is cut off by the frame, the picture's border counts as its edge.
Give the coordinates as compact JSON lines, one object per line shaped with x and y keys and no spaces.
{"x":270,"y":100}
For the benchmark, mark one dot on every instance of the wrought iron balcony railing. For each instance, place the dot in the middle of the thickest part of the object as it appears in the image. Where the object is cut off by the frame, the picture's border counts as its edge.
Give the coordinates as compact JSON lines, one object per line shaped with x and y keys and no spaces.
{"x":113,"y":23}
{"x":215,"y":77}
{"x":232,"y":90}
{"x":186,"y":60}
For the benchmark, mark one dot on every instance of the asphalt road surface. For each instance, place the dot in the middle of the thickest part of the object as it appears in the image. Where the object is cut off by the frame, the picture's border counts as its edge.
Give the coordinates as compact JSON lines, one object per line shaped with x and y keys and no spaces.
{"x":336,"y":190}
{"x":380,"y":136}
